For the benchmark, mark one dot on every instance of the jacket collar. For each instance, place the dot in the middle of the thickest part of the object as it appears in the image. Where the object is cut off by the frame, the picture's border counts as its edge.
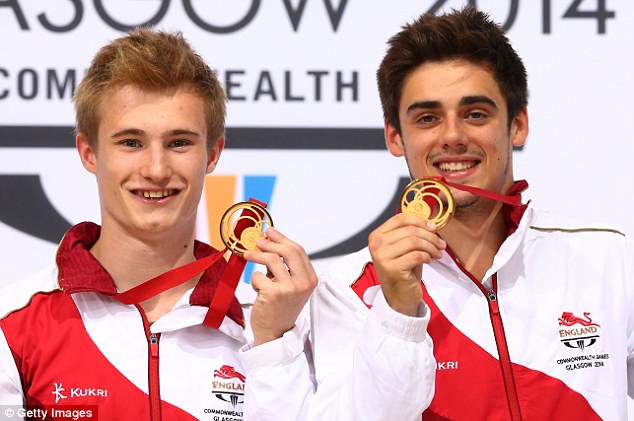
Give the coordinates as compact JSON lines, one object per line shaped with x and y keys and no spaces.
{"x":517,"y":220}
{"x":80,"y":271}
{"x":513,"y":214}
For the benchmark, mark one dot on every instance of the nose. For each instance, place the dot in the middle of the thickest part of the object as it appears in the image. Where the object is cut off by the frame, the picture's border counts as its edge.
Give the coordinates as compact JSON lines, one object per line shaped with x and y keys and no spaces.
{"x":155,"y":164}
{"x":452,"y":134}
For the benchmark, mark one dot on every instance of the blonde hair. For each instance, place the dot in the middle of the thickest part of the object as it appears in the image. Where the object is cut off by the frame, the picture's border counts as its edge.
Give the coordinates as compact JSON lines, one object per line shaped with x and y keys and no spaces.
{"x":151,"y":60}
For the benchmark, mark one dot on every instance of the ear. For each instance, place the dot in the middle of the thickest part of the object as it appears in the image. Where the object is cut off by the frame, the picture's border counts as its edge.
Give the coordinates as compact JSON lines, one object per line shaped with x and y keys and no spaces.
{"x":393,"y":140}
{"x":86,"y":153}
{"x":214,"y":154}
{"x":519,"y":128}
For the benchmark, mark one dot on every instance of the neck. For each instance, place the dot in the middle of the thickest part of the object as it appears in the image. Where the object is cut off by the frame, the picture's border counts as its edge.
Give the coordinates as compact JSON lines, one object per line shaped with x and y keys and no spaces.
{"x":475,"y":239}
{"x":130,"y":261}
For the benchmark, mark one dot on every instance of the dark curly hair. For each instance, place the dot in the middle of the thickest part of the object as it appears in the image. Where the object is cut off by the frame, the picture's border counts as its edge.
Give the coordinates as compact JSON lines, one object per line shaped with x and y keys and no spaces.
{"x":461,"y":34}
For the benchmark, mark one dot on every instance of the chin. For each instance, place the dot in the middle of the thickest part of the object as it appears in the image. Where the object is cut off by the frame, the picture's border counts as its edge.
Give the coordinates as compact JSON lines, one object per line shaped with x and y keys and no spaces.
{"x":154,"y":227}
{"x":463,"y":199}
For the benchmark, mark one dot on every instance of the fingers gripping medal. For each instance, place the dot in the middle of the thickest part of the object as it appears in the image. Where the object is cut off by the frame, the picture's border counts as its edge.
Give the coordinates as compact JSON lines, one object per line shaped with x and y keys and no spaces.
{"x":242,"y":225}
{"x":430,"y":199}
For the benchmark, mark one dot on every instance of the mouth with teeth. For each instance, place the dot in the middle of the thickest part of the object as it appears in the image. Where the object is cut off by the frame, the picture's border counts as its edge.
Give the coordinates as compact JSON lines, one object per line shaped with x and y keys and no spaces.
{"x":454,"y":166}
{"x":156,"y":195}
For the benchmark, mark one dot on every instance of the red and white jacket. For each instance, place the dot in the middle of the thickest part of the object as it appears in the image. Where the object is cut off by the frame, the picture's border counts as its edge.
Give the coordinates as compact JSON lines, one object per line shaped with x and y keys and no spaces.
{"x":67,"y":343}
{"x":547,"y":335}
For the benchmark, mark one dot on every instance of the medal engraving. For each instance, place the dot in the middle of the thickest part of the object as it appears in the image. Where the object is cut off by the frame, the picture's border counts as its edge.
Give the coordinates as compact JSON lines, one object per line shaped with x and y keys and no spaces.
{"x":430,"y":199}
{"x":242,"y":225}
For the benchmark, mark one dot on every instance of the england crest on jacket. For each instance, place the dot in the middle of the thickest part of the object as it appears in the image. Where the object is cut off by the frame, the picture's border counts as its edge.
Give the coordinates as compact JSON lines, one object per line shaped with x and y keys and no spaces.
{"x":227,"y":386}
{"x":582,"y":334}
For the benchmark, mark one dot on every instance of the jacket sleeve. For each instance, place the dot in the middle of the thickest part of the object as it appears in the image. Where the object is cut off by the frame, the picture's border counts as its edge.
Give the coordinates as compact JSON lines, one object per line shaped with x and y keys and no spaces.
{"x":11,"y":396}
{"x":358,"y":364}
{"x":629,"y":287}
{"x":12,"y":297}
{"x":372,"y":364}
{"x":280,"y":382}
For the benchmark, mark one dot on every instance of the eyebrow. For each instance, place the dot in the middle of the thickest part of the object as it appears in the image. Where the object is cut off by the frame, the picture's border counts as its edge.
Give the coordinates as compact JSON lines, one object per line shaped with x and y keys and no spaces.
{"x":478,"y":99}
{"x":139,"y":132}
{"x":128,"y":132}
{"x":467,"y":100}
{"x":423,"y":104}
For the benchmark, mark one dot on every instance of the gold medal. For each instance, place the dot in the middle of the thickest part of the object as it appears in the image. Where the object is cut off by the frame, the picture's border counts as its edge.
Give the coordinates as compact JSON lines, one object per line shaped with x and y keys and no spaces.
{"x":240,"y":232}
{"x":430,"y":199}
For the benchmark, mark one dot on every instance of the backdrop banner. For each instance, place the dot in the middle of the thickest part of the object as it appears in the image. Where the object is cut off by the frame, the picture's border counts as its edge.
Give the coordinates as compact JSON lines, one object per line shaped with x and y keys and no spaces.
{"x":304,"y":126}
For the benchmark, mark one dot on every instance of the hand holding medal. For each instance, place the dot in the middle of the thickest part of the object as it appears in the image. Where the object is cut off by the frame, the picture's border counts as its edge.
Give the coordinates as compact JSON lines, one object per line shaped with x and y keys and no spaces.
{"x":289,"y":280}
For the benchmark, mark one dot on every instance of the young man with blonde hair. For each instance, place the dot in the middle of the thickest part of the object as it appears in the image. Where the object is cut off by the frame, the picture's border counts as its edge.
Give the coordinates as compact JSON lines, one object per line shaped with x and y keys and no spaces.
{"x":150,"y":126}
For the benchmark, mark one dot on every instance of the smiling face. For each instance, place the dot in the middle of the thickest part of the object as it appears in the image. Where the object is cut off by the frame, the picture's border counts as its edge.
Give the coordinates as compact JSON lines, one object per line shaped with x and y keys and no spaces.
{"x":454,"y":125}
{"x":150,"y":160}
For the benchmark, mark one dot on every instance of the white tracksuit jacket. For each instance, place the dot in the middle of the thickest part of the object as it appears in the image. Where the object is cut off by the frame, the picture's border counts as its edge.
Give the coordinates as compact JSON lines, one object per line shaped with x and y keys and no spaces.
{"x":547,"y":335}
{"x":65,"y":343}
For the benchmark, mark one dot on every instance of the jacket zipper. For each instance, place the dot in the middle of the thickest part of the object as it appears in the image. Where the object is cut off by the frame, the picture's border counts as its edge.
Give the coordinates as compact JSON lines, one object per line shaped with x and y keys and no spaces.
{"x":154,"y":389}
{"x":500,"y":341}
{"x":503,"y":350}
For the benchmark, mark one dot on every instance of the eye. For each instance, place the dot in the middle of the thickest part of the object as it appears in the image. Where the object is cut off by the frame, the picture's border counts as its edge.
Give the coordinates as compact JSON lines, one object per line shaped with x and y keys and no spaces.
{"x":477,"y":115}
{"x":179,"y":143}
{"x":131,"y":143}
{"x":426,"y":119}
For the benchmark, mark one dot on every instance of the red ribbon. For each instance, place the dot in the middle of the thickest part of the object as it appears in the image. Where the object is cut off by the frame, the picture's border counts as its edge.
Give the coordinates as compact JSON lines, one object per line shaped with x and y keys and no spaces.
{"x":225,"y":289}
{"x":513,"y":199}
{"x":231,"y":276}
{"x":167,"y":280}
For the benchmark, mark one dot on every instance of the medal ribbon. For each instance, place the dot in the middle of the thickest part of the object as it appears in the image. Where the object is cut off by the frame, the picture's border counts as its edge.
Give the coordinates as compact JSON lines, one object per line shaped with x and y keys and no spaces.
{"x":513,"y":200}
{"x":231,"y":276}
{"x":225,"y":290}
{"x":167,"y":280}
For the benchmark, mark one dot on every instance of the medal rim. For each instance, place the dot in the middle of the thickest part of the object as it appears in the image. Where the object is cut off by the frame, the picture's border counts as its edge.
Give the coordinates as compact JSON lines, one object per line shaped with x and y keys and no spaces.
{"x":447,"y":215}
{"x":226,"y":219}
